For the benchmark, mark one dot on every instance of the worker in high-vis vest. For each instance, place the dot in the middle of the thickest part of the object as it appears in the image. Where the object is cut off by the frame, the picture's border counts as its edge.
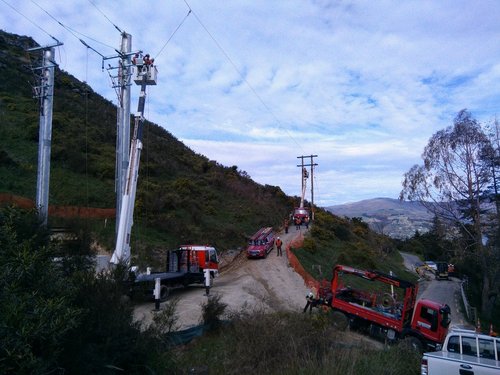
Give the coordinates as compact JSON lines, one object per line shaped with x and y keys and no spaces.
{"x":279,"y":243}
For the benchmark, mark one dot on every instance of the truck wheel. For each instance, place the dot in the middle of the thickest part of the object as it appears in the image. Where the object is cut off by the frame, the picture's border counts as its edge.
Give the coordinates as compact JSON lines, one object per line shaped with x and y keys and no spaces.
{"x":164,"y":292}
{"x":413,"y":343}
{"x":339,"y":320}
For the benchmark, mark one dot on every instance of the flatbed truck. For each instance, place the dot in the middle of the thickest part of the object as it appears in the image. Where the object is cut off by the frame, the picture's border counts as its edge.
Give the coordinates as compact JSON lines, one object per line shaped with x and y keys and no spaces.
{"x":184,"y":266}
{"x":385,"y":307}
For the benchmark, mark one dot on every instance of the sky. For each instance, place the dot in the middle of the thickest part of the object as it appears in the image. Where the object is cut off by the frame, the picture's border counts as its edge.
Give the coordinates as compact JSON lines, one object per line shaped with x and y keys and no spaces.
{"x":362,"y":84}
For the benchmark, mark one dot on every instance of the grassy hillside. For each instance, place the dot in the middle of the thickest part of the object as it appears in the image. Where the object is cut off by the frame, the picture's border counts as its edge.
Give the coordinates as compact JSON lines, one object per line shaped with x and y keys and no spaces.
{"x":334,"y":240}
{"x":182,"y":196}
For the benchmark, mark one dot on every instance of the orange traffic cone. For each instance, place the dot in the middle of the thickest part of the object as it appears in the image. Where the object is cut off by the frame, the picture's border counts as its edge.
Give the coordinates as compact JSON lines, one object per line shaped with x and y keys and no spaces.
{"x":492,"y":332}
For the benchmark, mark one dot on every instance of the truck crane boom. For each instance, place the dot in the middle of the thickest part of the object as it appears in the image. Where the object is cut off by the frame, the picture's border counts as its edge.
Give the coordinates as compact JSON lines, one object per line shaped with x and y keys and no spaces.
{"x":302,"y":214}
{"x":305,"y":176}
{"x":146,"y":75}
{"x":187,"y":265}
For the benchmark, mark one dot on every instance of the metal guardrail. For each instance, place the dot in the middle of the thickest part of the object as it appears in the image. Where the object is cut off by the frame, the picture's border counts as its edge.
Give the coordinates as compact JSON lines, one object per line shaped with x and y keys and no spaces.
{"x":469,"y":310}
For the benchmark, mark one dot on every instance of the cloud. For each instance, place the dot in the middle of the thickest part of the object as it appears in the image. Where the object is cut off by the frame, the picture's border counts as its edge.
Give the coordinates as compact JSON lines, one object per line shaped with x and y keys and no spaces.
{"x":362,"y":84}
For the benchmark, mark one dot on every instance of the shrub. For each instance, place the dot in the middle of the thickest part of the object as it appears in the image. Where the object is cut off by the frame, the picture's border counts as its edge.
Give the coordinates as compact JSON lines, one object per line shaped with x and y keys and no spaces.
{"x":310,"y":245}
{"x":57,"y":317}
{"x":213,"y":310}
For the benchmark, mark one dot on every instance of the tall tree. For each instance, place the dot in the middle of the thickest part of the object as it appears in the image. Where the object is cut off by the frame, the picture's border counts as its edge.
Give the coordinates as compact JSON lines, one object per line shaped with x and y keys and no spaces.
{"x":451,"y":184}
{"x":493,"y":158}
{"x":493,"y":196}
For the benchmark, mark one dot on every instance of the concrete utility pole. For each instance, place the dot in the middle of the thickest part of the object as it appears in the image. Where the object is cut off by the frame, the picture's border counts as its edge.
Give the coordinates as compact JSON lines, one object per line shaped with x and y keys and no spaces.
{"x":45,"y":92}
{"x":123,"y":120}
{"x":122,"y":83}
{"x":312,"y":165}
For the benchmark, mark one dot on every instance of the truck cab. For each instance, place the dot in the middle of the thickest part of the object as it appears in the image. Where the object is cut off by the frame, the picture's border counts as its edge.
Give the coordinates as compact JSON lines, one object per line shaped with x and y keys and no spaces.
{"x":194,"y":259}
{"x":431,"y":321}
{"x":301,"y":213}
{"x":261,"y":243}
{"x":464,"y":352}
{"x":471,"y":343}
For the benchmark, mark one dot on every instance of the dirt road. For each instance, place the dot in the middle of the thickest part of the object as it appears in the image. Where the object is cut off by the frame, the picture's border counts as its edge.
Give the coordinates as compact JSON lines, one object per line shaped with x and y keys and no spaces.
{"x":264,"y":284}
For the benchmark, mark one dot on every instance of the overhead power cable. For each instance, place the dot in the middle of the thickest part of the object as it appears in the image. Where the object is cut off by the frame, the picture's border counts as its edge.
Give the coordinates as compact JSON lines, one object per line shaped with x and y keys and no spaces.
{"x":89,"y":47}
{"x":29,"y":20}
{"x":242,"y":76}
{"x":73,"y":31}
{"x":105,"y":16}
{"x":171,"y":36}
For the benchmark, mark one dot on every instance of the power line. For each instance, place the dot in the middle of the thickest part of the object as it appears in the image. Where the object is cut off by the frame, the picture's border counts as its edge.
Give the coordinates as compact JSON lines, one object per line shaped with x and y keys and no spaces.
{"x":105,"y":16}
{"x":73,"y":31}
{"x":29,"y":20}
{"x":171,"y":36}
{"x":243,"y":77}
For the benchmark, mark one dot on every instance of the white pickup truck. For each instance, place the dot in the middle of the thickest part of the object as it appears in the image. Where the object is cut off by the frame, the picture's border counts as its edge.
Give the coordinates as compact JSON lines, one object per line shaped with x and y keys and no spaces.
{"x":464,"y":352}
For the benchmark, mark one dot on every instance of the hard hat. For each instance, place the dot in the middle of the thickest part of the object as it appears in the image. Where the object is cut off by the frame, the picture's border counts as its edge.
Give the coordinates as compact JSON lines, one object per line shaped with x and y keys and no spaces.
{"x":278,"y":238}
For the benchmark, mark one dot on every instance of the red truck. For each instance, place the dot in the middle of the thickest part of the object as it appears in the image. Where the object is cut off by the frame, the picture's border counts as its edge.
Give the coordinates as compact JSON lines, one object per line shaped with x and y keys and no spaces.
{"x":261,"y":243}
{"x":184,"y":266}
{"x":385,"y":307}
{"x":302,"y":214}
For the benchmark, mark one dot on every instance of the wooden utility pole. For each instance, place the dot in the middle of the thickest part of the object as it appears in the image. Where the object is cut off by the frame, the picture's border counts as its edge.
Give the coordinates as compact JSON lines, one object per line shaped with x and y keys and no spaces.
{"x":311,"y":165}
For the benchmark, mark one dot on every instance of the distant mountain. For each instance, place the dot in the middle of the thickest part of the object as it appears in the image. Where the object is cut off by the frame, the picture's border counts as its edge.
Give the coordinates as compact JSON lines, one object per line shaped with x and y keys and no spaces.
{"x":395,"y":218}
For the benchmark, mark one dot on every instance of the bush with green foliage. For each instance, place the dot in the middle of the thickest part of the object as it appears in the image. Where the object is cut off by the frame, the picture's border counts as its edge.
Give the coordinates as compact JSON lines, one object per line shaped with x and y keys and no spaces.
{"x":59,"y":318}
{"x":333,"y":240}
{"x":36,"y":313}
{"x":291,"y":343}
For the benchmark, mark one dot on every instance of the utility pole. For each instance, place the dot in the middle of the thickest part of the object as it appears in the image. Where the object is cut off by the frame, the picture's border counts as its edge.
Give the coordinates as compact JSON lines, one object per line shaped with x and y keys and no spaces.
{"x":45,"y":92}
{"x":312,"y":165}
{"x":303,"y":174}
{"x":123,"y":120}
{"x":121,"y":83}
{"x":145,"y":75}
